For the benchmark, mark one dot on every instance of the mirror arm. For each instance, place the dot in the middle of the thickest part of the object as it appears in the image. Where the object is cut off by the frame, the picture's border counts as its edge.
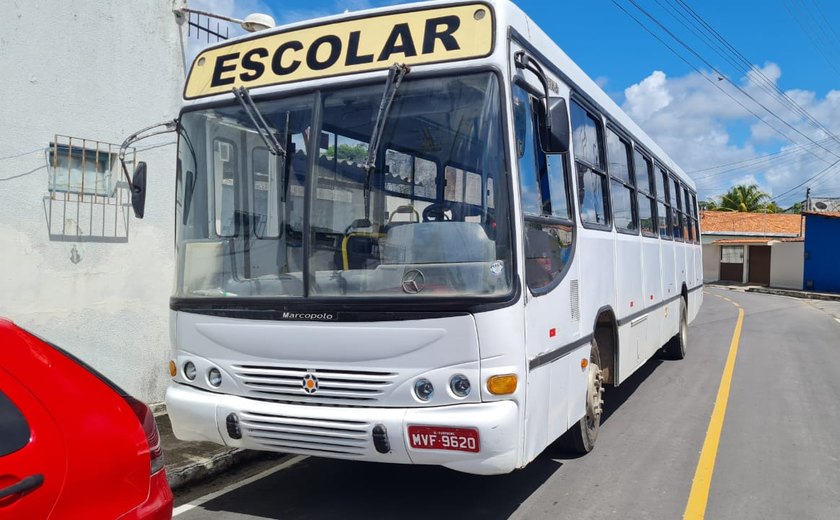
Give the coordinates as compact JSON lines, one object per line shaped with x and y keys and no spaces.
{"x":525,"y":62}
{"x":144,"y":133}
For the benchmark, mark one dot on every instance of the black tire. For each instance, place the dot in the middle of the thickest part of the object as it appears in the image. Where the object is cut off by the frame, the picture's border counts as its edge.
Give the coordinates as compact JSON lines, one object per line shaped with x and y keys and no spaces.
{"x":580,"y":439}
{"x":675,"y":348}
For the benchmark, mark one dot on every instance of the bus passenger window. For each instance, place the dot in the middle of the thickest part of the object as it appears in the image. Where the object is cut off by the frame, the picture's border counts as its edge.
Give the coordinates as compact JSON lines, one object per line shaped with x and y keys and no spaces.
{"x":676,"y":203}
{"x":623,"y":193}
{"x":587,"y":139}
{"x":663,"y":206}
{"x":646,"y":200}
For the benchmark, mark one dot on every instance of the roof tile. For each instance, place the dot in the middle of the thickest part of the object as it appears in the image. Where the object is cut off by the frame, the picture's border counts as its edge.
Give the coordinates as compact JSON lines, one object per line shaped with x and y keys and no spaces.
{"x":737,"y":223}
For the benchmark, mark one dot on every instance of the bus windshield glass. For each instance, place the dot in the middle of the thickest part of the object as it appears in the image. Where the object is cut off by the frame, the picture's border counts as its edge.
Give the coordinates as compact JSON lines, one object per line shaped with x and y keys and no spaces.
{"x":428,"y":218}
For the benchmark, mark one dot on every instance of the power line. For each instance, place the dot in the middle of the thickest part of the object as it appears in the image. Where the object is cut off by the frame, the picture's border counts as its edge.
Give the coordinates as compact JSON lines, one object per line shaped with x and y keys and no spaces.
{"x":684,"y":60}
{"x":754,"y":161}
{"x":721,"y":75}
{"x":767,"y":85}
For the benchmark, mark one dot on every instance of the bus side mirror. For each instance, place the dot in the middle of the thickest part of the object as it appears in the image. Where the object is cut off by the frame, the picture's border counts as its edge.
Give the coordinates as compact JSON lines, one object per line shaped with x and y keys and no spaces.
{"x":555,"y":135}
{"x":138,"y":189}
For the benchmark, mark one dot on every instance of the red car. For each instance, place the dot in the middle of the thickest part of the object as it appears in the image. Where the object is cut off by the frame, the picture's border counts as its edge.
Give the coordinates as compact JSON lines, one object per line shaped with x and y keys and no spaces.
{"x":72,"y":443}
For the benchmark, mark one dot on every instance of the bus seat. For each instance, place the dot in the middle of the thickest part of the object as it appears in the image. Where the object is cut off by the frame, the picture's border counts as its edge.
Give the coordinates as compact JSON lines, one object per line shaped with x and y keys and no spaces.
{"x":360,"y":250}
{"x":405,"y":209}
{"x":437,"y":242}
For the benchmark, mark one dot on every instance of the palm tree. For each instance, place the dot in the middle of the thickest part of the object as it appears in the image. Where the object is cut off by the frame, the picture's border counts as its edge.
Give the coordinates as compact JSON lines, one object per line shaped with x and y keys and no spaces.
{"x":744,"y":198}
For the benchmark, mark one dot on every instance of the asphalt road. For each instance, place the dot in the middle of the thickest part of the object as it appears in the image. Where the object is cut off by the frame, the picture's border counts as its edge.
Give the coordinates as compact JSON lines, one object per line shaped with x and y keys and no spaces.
{"x":778,"y":455}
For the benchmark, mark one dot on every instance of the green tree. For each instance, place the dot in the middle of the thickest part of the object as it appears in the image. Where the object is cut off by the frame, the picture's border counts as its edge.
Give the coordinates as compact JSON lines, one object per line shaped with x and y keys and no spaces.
{"x":347,"y":152}
{"x":772,"y":207}
{"x":796,"y":208}
{"x":709,"y":204}
{"x":744,"y":198}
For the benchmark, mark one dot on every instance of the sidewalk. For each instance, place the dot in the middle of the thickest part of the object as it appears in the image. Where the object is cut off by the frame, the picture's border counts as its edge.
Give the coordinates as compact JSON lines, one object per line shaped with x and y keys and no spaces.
{"x":810,"y":295}
{"x":190,"y":462}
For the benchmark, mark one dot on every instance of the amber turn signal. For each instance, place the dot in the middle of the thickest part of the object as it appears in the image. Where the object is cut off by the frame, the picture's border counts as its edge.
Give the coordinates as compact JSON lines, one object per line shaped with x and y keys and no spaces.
{"x":502,"y":384}
{"x":173,"y":368}
{"x":584,"y":363}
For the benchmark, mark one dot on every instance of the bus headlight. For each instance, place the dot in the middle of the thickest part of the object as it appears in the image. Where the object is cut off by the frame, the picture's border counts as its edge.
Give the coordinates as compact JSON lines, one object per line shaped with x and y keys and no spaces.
{"x":460,"y":385}
{"x":214,"y":377}
{"x":189,"y":370}
{"x":423,"y":389}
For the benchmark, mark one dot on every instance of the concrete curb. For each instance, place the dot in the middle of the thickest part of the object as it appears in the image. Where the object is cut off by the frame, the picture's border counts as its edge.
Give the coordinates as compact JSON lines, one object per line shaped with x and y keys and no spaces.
{"x":209,"y":467}
{"x":796,"y":294}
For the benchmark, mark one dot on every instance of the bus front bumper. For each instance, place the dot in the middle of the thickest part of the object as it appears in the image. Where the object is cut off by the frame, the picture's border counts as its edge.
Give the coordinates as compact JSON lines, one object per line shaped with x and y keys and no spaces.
{"x":347,"y":433}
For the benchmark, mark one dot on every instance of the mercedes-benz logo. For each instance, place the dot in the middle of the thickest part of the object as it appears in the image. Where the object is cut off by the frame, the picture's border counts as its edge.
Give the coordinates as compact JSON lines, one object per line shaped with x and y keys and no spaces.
{"x":413,"y":281}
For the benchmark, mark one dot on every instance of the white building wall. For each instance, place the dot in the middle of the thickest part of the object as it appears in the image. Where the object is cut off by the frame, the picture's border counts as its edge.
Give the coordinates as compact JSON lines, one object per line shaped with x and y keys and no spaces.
{"x":787,"y":264}
{"x":98,"y":70}
{"x":711,"y":263}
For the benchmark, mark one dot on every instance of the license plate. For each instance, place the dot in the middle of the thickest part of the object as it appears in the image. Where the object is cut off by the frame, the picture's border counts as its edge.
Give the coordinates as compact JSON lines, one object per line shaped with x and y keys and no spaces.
{"x":443,"y":438}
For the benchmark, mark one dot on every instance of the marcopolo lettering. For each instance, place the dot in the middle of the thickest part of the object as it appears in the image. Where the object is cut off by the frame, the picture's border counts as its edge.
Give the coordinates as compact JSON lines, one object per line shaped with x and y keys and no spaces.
{"x":438,"y":34}
{"x":322,"y":316}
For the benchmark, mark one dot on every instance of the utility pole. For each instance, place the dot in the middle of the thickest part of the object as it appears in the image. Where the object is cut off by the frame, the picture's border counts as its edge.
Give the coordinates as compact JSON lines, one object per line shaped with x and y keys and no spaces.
{"x":808,"y":199}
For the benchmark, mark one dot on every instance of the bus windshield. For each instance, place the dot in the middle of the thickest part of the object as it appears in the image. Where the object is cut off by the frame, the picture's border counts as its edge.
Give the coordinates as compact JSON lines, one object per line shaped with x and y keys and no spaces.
{"x":428,"y":218}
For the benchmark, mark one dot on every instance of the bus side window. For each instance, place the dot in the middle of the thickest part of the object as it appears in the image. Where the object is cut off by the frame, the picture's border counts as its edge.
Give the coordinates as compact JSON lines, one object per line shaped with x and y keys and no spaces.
{"x":663,"y":206}
{"x":588,"y":141}
{"x":676,"y":203}
{"x":543,"y":182}
{"x":646,"y":199}
{"x":622,"y":188}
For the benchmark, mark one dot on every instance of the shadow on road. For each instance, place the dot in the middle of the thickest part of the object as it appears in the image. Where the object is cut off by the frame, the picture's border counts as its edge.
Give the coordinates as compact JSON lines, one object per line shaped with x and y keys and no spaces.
{"x":614,"y":397}
{"x":319,"y":488}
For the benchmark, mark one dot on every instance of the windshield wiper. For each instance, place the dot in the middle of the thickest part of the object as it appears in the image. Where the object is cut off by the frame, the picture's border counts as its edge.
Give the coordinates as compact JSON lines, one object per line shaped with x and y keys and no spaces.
{"x":395,"y":76}
{"x":262,"y":127}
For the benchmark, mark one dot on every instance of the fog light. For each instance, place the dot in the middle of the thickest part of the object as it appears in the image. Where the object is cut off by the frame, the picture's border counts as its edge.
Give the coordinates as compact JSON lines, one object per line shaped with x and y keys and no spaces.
{"x":189,"y":371}
{"x":460,"y":385}
{"x":233,"y":429}
{"x":423,"y":389}
{"x":501,"y":385}
{"x":214,"y":377}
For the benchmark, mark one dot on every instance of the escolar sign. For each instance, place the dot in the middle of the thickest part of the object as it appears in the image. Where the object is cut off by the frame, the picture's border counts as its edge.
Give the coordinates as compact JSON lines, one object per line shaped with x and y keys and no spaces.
{"x":359,"y":45}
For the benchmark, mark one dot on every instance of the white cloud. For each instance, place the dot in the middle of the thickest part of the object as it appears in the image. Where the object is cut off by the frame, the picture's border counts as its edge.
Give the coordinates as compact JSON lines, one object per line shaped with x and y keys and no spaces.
{"x":649,"y":96}
{"x":697,"y":122}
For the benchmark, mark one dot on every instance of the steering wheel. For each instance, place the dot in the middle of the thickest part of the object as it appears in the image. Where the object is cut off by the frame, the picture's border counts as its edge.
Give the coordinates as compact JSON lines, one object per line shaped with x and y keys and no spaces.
{"x":438,"y":212}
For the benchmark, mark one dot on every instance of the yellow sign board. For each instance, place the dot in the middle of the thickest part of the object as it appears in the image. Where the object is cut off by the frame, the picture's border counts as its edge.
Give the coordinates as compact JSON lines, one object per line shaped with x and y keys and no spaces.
{"x":357,"y":45}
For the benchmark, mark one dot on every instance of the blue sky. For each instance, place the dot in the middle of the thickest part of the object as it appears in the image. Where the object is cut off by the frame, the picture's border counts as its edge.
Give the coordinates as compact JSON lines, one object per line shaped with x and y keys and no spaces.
{"x":710,"y":126}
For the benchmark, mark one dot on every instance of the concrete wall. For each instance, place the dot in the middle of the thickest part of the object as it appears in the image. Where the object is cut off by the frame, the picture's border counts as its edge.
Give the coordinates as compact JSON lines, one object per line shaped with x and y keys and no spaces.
{"x":711,"y":263}
{"x":97,"y":70}
{"x":786,"y":265}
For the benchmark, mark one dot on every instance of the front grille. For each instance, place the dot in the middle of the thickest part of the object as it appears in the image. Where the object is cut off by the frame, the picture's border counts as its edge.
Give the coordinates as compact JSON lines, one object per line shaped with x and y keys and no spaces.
{"x":309,"y":436}
{"x":336,"y":387}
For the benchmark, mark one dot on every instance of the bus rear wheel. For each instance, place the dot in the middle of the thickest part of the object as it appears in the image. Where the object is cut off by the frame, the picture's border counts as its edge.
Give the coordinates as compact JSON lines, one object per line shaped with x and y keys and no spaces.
{"x":580,"y":438}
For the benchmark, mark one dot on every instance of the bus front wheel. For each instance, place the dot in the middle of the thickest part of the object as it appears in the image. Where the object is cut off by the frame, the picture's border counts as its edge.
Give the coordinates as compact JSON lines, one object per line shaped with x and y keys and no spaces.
{"x":580,"y":438}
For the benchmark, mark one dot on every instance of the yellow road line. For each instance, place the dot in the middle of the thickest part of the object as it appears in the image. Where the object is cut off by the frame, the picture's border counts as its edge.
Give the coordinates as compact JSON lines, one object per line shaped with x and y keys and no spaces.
{"x":699,"y":496}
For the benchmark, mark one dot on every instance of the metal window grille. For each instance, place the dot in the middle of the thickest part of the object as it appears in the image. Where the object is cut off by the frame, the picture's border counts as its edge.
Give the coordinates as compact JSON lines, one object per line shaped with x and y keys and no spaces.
{"x":202,"y":26}
{"x":89,"y":198}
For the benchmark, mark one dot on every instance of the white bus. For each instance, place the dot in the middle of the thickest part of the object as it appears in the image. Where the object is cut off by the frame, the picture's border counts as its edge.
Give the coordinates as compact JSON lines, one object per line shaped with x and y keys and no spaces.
{"x":417,"y":234}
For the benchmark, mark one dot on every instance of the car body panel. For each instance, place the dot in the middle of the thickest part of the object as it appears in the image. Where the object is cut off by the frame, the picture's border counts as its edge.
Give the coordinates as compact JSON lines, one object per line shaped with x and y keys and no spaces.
{"x":84,"y":434}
